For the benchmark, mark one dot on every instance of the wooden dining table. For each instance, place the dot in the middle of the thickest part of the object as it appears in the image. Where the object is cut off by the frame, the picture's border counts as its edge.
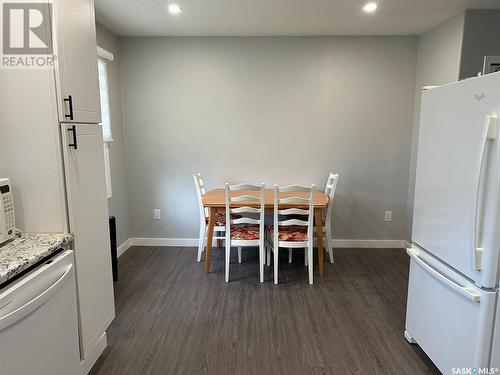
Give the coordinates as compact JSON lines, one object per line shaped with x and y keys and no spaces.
{"x":215,"y":201}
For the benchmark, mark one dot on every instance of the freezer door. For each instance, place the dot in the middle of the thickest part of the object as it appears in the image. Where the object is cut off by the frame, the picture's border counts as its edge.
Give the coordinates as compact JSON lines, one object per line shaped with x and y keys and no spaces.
{"x":449,"y":317}
{"x":495,"y":347}
{"x":456,"y":190}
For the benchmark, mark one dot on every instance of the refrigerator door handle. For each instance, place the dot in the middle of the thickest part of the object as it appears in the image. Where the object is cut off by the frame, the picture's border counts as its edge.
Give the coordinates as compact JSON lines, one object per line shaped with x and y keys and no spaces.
{"x":489,"y":134}
{"x":463,"y":290}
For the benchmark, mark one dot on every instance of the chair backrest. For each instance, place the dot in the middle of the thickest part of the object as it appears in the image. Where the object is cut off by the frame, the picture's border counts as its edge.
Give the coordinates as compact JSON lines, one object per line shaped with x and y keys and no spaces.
{"x":200,"y":191}
{"x":302,"y":206}
{"x":245,"y":200}
{"x":331,"y":186}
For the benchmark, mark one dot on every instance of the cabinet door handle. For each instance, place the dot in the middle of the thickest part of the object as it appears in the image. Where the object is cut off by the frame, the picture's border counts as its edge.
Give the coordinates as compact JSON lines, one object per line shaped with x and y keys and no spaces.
{"x":74,"y":144}
{"x":69,"y":100}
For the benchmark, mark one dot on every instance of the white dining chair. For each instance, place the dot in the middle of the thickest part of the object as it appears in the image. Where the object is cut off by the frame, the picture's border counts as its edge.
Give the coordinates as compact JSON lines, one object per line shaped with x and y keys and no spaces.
{"x":292,"y":233}
{"x":245,"y":230}
{"x":220,"y":219}
{"x":331,"y":186}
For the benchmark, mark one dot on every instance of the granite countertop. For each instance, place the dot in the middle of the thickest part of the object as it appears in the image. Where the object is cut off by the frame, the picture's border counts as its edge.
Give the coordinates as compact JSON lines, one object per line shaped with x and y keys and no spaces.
{"x":27,"y":249}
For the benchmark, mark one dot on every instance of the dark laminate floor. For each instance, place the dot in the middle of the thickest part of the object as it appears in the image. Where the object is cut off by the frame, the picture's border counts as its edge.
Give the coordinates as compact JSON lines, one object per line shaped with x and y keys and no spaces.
{"x":171,"y":318}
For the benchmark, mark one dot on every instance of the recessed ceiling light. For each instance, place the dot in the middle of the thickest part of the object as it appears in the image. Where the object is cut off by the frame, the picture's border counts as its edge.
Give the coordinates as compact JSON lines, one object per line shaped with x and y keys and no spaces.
{"x":174,"y":8}
{"x":370,"y":7}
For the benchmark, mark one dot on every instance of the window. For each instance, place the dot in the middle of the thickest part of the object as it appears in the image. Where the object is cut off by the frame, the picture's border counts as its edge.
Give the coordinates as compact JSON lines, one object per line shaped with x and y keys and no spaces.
{"x":103,"y":91}
{"x":105,"y":120}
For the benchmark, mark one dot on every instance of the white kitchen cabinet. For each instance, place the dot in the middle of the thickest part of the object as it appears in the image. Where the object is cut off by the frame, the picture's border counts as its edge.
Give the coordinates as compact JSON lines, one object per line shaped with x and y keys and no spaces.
{"x":88,"y":221}
{"x":57,"y":187}
{"x":76,"y":63}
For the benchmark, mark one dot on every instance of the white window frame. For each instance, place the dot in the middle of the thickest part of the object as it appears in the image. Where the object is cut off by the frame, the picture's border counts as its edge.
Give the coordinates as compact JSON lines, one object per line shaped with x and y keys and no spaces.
{"x":106,"y":57}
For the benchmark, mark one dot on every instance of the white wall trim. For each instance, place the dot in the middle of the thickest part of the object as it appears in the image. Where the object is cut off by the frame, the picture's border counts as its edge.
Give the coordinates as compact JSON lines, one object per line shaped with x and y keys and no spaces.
{"x":371,"y":244}
{"x":124,"y":247}
{"x":104,"y":54}
{"x":193,"y":242}
{"x":182,"y":242}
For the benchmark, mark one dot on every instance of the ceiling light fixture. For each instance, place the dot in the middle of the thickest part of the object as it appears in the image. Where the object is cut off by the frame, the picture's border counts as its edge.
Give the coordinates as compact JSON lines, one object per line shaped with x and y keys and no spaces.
{"x":174,"y":8}
{"x":370,"y":7}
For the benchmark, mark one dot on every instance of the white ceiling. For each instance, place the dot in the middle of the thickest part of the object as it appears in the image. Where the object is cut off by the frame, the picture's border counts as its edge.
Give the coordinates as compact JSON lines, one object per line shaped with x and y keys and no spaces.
{"x":279,"y":17}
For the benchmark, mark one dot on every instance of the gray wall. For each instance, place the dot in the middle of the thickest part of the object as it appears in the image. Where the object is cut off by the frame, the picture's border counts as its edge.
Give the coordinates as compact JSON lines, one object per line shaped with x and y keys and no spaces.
{"x":273,"y":110}
{"x":438,"y":62}
{"x":119,"y":202}
{"x":481,"y":38}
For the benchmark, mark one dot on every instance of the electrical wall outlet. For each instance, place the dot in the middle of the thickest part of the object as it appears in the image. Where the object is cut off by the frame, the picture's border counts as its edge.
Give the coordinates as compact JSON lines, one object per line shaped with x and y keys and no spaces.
{"x":156,"y":214}
{"x":388,"y":216}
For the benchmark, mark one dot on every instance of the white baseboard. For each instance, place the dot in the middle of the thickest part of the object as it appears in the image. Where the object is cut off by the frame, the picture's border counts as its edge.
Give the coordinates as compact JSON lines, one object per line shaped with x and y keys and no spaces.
{"x":124,"y":247}
{"x":181,"y":242}
{"x":371,"y":244}
{"x":193,"y":242}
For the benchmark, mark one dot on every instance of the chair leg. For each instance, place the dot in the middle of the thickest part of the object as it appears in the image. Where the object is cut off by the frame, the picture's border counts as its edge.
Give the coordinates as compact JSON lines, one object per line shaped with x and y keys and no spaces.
{"x":329,"y":245}
{"x":268,"y":260}
{"x":261,"y":263}
{"x":290,"y":255}
{"x":239,"y":254}
{"x":201,"y":242}
{"x":305,"y":256}
{"x":275,"y":264}
{"x":310,"y":263}
{"x":228,"y":256}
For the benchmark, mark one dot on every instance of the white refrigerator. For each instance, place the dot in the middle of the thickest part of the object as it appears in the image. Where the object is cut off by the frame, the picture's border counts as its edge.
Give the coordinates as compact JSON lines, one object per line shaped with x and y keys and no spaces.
{"x":454,"y":256}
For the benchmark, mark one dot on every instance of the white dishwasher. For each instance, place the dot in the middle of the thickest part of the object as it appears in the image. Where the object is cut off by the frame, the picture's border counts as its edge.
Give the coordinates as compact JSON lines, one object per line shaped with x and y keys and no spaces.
{"x":38,"y":321}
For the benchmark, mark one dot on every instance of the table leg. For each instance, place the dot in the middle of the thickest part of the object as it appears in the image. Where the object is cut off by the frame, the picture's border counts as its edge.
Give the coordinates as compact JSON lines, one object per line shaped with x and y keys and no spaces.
{"x":319,"y":239}
{"x":210,"y":233}
{"x":219,"y":242}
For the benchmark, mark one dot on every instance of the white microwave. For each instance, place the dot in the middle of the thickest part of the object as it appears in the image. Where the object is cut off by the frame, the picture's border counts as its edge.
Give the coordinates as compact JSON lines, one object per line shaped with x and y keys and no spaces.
{"x":7,"y":215}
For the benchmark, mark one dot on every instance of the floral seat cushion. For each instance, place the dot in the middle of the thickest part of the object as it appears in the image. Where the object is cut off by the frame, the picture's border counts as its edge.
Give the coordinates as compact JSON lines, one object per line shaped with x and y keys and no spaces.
{"x":290,"y":233}
{"x":244,"y":232}
{"x":220,"y":219}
